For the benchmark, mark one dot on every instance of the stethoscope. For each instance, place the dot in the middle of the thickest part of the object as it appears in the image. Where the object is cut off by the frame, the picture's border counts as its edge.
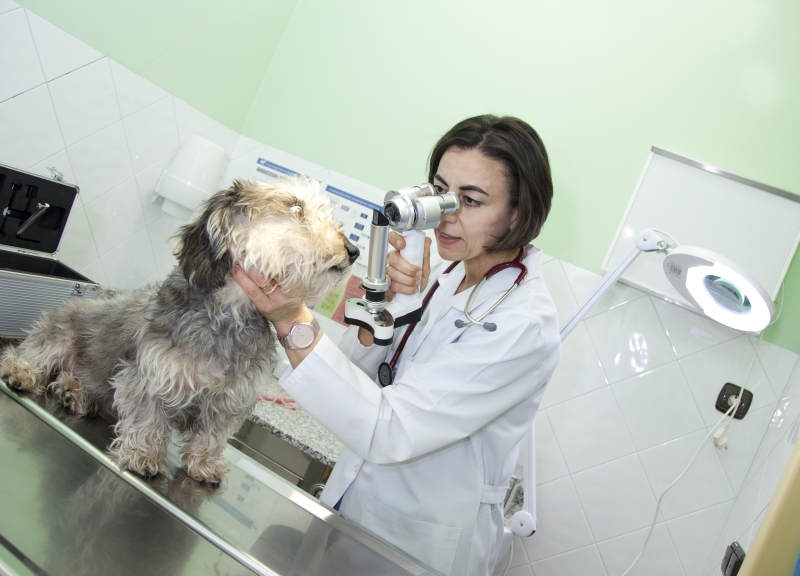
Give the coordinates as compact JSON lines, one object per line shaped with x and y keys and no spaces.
{"x":387,"y":369}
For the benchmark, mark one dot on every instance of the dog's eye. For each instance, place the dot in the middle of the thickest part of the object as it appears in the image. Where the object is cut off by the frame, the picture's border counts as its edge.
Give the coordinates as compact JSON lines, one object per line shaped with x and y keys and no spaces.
{"x":297,"y":210}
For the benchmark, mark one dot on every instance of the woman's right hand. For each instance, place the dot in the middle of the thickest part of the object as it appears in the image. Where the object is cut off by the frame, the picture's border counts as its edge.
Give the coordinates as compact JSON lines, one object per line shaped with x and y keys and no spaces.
{"x":406,"y":277}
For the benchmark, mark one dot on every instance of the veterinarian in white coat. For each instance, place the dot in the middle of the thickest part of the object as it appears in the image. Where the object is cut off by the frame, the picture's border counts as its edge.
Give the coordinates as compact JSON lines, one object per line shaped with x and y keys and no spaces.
{"x":428,"y":459}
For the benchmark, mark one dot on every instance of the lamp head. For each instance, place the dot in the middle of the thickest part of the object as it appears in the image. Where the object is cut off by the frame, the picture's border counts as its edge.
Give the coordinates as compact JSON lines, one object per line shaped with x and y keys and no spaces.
{"x":720,"y":288}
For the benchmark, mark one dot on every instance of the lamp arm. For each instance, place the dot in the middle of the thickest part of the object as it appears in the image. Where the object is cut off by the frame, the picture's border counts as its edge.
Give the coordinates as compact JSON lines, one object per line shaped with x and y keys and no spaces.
{"x":646,"y":241}
{"x":524,"y":522}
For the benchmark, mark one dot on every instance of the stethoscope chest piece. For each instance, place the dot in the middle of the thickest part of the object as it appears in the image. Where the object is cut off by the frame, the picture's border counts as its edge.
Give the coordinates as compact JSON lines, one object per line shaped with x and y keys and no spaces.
{"x":385,"y":374}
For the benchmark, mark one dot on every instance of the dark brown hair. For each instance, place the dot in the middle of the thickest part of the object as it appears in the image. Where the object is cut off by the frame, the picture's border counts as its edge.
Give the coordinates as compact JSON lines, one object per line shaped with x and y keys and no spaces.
{"x":518,"y":147}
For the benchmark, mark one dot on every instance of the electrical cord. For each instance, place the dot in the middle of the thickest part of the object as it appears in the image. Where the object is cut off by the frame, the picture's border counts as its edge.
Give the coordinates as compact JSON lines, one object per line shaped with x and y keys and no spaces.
{"x":510,"y":556}
{"x":729,"y":415}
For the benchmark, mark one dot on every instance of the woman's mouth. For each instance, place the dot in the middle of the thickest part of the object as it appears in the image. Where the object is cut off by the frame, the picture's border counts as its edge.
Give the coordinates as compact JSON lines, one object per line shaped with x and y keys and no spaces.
{"x":447,"y":239}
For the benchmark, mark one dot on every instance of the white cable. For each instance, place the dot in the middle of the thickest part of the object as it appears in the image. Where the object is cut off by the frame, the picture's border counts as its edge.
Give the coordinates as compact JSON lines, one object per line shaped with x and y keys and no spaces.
{"x":729,"y":414}
{"x":510,"y":556}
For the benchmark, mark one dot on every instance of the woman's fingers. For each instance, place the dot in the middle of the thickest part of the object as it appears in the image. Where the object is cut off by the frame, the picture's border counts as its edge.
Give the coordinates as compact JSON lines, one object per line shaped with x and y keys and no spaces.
{"x":265,"y":303}
{"x":405,"y":276}
{"x":246,"y":283}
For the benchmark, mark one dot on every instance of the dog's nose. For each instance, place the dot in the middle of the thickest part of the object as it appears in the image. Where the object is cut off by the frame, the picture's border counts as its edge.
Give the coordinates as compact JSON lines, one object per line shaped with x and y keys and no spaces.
{"x":352,"y":251}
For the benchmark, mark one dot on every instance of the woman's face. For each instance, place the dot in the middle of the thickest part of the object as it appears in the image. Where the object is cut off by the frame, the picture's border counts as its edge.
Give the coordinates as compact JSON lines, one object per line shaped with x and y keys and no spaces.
{"x":485,"y":215}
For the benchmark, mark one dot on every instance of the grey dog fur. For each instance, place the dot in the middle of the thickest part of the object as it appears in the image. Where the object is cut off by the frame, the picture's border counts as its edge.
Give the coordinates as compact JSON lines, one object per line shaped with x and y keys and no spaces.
{"x":186,"y":354}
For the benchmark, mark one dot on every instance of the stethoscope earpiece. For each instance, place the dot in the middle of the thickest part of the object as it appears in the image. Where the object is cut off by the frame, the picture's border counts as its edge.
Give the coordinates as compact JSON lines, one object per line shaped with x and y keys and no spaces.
{"x":490,"y":326}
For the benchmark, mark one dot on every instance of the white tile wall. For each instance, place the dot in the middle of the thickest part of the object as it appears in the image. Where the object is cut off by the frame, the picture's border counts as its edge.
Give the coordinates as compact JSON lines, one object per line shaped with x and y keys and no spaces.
{"x":19,"y":63}
{"x":626,"y":409}
{"x":661,"y":559}
{"x":105,"y":128}
{"x":59,"y":52}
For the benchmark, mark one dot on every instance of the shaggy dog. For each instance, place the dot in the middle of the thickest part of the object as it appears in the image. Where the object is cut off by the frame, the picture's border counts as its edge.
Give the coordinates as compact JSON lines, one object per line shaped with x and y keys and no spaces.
{"x":188,"y":354}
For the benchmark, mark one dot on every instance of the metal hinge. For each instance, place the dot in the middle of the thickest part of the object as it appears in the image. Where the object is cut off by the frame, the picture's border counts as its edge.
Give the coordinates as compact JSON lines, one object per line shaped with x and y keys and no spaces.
{"x":79,"y":289}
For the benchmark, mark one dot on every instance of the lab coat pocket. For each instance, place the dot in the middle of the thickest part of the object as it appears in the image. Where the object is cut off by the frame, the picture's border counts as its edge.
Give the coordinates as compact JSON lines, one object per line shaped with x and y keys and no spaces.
{"x":432,"y":544}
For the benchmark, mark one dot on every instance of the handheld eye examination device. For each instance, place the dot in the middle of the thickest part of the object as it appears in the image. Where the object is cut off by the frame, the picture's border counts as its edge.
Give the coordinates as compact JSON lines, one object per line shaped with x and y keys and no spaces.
{"x":409,"y":211}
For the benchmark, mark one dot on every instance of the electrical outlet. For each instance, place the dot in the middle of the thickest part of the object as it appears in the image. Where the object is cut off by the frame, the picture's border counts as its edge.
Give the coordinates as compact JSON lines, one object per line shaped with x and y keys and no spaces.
{"x":724,"y":401}
{"x":732,"y":561}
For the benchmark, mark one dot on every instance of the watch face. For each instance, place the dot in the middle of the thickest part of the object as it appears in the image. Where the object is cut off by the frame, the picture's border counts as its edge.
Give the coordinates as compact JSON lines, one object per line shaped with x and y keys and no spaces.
{"x":303,"y":335}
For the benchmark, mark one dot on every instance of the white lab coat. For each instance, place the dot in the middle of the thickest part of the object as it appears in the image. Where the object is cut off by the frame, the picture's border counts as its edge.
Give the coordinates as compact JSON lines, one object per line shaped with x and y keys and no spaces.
{"x":428,"y":460}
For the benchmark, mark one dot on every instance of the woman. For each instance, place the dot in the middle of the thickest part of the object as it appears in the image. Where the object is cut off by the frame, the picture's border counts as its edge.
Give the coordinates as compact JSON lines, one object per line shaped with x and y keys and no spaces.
{"x":428,"y":459}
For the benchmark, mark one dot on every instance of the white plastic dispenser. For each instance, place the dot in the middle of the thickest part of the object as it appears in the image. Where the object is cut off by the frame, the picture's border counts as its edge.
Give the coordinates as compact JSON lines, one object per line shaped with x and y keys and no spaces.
{"x":191,"y":179}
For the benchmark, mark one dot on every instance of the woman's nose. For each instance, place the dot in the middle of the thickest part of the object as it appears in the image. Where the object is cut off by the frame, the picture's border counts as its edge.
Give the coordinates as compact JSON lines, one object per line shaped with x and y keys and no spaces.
{"x":449,"y":217}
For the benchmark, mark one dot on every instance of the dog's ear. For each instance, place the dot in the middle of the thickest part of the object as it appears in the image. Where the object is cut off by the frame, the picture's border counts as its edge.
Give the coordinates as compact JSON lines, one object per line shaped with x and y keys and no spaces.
{"x":203,"y":253}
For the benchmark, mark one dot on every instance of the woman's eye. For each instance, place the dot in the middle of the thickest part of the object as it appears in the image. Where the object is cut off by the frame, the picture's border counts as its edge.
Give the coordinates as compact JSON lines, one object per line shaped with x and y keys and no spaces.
{"x":469,"y":201}
{"x":438,"y":189}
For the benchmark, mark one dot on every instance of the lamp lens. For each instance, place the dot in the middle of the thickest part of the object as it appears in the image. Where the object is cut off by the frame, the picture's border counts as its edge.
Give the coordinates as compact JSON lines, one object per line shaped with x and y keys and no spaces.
{"x":727,"y":295}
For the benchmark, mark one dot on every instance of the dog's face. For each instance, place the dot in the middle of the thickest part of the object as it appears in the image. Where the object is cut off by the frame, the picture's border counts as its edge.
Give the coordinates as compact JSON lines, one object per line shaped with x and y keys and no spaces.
{"x":283,"y":230}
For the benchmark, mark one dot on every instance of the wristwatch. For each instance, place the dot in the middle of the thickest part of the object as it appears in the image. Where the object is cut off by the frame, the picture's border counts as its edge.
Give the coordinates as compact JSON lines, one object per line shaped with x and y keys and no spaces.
{"x":301,"y":335}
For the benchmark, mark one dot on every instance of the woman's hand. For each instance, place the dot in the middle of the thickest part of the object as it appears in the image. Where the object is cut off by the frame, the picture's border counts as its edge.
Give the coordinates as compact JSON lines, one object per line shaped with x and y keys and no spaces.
{"x":274,"y":306}
{"x":406,"y":277}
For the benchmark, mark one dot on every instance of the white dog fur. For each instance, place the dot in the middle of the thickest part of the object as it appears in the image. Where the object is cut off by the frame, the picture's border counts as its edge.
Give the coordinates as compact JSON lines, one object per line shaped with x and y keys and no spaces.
{"x":188,"y":354}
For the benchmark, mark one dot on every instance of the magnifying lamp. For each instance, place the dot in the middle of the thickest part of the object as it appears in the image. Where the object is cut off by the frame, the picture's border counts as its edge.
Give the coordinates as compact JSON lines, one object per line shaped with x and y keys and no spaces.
{"x":715,"y":285}
{"x":720,"y":288}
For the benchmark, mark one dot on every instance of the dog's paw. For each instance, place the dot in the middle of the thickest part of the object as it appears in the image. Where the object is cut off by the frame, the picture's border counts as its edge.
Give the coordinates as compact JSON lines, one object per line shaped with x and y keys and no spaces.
{"x":20,"y":374}
{"x":210,"y":470}
{"x":71,"y":394}
{"x":144,"y":464}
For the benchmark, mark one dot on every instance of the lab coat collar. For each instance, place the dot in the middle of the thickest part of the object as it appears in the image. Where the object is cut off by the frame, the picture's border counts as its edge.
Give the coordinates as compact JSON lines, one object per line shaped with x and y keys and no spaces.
{"x":448,"y":283}
{"x":497,"y":284}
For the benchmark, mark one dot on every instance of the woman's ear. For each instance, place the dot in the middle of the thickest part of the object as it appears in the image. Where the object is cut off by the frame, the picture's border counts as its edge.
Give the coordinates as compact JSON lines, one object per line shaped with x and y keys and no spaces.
{"x":202,"y":251}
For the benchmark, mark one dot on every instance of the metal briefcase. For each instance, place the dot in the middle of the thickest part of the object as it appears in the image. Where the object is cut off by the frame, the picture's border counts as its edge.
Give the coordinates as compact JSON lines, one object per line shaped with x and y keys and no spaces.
{"x":34,"y":214}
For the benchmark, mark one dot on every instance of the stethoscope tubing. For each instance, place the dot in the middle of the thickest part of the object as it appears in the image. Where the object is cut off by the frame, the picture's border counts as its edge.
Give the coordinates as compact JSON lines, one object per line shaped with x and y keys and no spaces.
{"x":515,"y":263}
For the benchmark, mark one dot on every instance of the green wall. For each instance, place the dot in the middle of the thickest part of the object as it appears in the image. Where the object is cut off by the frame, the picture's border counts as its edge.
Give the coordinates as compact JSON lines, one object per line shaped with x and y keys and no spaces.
{"x":366,"y":87}
{"x":211,"y":53}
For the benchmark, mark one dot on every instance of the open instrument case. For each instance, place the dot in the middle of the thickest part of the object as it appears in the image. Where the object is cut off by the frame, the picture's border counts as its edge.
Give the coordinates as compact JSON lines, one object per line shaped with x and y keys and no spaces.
{"x":33,"y":215}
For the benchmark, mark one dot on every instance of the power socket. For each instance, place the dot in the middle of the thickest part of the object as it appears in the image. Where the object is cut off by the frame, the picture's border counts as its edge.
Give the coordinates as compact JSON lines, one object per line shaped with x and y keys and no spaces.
{"x":729,"y":391}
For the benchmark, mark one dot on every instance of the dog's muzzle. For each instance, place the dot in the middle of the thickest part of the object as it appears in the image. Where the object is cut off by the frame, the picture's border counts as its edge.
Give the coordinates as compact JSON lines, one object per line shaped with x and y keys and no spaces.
{"x":352,"y":251}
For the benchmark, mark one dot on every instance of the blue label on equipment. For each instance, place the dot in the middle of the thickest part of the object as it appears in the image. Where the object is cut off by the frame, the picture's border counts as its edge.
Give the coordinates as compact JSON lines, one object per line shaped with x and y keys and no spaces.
{"x":277,"y":167}
{"x":354,"y":237}
{"x":353,"y":198}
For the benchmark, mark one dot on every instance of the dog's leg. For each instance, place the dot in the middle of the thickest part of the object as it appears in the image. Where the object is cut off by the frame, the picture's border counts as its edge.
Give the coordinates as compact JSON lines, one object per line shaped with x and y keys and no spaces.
{"x":72,"y":394}
{"x":143,"y":428}
{"x":21,"y":374}
{"x":202,"y":455}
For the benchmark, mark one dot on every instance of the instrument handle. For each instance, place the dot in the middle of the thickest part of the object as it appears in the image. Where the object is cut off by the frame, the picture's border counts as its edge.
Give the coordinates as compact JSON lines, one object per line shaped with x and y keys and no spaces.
{"x":413,"y":252}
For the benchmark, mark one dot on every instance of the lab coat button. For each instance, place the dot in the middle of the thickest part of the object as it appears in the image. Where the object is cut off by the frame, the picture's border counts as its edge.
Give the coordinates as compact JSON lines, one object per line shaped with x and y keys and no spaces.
{"x":356,"y":468}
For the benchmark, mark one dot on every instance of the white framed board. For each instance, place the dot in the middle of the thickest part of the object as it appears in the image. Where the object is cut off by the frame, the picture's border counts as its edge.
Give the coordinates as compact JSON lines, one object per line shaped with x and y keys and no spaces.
{"x":755,"y":225}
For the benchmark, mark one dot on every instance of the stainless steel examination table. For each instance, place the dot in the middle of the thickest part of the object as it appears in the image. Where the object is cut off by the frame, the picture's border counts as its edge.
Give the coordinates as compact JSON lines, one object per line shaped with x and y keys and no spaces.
{"x":65,"y":508}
